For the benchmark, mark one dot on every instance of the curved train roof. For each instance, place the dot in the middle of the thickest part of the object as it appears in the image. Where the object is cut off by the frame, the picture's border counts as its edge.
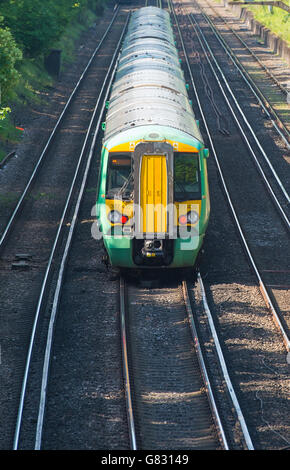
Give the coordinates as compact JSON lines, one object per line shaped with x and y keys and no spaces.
{"x":149,"y":86}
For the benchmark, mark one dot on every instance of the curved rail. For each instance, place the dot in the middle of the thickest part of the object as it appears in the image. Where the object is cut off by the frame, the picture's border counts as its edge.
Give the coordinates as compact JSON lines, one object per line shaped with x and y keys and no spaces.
{"x":264,"y":103}
{"x":44,"y":286}
{"x":261,"y":284}
{"x":266,"y":182}
{"x":199,"y":368}
{"x":51,"y":137}
{"x":203,"y":369}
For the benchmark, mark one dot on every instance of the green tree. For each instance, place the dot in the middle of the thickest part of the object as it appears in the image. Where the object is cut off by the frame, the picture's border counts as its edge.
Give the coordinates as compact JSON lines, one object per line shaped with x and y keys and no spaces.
{"x":9,"y":55}
{"x":38,"y":24}
{"x":3,"y":113}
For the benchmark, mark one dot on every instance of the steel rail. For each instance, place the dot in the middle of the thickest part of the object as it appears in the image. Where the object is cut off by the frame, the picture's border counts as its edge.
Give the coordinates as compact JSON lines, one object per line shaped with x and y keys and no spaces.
{"x":57,"y":294}
{"x":52,"y":136}
{"x":261,"y":284}
{"x":63,"y":263}
{"x":263,"y":66}
{"x":274,"y":197}
{"x":263,"y":101}
{"x":286,"y":195}
{"x":201,"y":361}
{"x":224,"y":368}
{"x":203,"y":368}
{"x":126,"y":374}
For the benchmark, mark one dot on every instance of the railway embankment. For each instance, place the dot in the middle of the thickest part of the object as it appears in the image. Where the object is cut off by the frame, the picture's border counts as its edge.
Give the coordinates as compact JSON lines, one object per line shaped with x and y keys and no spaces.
{"x":273,"y":41}
{"x":255,"y":56}
{"x":39,"y":83}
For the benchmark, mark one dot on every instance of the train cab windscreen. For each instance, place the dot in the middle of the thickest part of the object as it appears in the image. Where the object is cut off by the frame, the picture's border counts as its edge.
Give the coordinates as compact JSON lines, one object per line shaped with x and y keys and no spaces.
{"x":120,"y":177}
{"x":186,"y":177}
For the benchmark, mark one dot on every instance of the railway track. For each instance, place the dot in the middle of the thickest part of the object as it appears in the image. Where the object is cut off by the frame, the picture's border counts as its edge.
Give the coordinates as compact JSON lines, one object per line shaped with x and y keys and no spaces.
{"x":170,"y":400}
{"x":255,"y":253}
{"x":232,"y":103}
{"x":66,"y":123}
{"x":149,"y":404}
{"x":269,"y":101}
{"x":39,"y":285}
{"x":254,"y":237}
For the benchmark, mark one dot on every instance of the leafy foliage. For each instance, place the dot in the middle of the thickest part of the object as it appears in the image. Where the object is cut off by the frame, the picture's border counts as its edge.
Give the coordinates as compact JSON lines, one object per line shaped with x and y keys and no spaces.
{"x":4,"y":112}
{"x":9,"y":55}
{"x":30,"y":28}
{"x":277,"y":21}
{"x":36,"y":24}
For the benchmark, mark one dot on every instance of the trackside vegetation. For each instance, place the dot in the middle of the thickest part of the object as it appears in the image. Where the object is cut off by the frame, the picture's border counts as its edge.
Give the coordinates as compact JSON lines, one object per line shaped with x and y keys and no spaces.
{"x":276,"y":19}
{"x":29,"y":29}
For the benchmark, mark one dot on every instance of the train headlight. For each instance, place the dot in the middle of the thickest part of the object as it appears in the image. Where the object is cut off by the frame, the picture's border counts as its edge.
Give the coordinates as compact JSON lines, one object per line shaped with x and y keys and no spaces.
{"x":190,"y":218}
{"x":116,"y":217}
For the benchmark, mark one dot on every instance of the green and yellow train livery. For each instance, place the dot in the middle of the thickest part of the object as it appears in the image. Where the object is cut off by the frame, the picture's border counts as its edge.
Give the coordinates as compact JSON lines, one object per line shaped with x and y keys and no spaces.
{"x":153,"y":198}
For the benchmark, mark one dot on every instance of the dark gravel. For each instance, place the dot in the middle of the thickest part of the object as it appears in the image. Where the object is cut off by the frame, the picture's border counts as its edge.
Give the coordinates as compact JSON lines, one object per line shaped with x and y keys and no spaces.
{"x":34,"y":232}
{"x":171,"y":404}
{"x":252,"y":345}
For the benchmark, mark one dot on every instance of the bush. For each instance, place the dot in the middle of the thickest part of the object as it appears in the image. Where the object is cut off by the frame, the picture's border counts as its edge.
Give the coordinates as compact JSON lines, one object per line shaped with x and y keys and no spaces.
{"x":277,"y":20}
{"x":9,"y":55}
{"x":36,"y":24}
{"x":4,"y":112}
{"x":33,"y":24}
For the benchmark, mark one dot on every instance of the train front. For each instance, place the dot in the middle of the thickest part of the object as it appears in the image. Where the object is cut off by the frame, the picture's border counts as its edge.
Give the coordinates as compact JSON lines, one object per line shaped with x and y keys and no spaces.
{"x":153,"y":199}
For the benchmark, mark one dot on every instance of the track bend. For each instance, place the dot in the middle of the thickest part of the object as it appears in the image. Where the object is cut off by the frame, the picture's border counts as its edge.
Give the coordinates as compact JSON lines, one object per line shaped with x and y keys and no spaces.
{"x":223,"y":76}
{"x":32,"y":290}
{"x":269,"y":91}
{"x":67,"y":135}
{"x":258,"y":220}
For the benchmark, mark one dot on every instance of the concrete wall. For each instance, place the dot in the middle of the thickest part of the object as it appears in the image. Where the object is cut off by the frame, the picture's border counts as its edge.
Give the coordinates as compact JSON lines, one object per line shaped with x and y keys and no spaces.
{"x":275,"y":44}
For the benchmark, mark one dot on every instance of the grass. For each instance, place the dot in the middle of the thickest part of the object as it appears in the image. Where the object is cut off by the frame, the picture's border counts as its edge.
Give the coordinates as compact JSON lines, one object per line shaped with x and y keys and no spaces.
{"x":9,"y":135}
{"x":30,"y":90}
{"x":278,"y":21}
{"x":34,"y":81}
{"x":72,"y":33}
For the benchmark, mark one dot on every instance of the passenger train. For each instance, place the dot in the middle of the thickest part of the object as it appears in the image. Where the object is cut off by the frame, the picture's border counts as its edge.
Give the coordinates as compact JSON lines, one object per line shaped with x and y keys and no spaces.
{"x":153,"y":201}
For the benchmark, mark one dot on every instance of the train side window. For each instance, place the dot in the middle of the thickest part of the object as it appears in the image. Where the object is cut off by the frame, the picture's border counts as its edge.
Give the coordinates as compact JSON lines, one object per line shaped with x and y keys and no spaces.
{"x":119,"y":177}
{"x":186,"y":176}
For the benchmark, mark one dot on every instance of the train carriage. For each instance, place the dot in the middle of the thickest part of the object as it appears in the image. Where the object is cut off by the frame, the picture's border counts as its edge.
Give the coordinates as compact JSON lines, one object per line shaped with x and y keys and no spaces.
{"x":153,"y":198}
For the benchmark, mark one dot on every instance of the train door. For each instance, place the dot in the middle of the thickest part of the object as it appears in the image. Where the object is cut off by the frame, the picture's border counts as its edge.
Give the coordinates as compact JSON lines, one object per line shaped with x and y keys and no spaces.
{"x":154,"y":194}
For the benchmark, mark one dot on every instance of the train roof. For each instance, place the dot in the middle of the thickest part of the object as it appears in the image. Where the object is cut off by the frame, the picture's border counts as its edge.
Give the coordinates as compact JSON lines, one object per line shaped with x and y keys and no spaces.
{"x":149,"y":87}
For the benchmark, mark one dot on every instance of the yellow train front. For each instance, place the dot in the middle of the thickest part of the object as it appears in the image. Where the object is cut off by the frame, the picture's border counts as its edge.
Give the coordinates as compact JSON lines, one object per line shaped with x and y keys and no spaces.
{"x":153,"y":198}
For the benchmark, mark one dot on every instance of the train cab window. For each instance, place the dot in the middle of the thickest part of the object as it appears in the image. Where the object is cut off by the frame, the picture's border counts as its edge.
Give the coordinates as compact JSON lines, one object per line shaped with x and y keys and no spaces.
{"x":186,"y":176}
{"x":119,"y":177}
